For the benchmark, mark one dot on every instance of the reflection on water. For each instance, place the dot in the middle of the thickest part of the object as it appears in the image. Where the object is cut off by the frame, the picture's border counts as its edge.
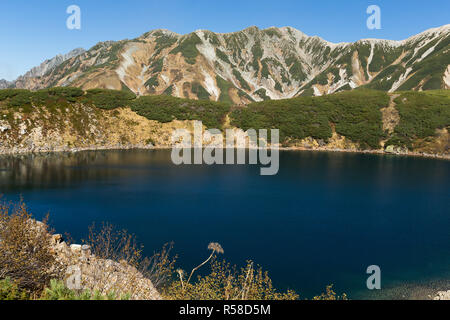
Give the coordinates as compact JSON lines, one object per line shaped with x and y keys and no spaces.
{"x":68,"y":169}
{"x":323,"y":219}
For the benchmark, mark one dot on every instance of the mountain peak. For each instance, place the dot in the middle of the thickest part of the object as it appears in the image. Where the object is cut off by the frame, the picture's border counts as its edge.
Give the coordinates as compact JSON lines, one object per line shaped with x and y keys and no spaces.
{"x":249,"y":65}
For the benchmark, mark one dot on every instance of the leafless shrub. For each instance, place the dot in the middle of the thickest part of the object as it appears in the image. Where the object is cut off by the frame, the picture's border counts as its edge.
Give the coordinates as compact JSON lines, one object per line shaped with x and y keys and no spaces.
{"x":26,"y":255}
{"x":118,"y":245}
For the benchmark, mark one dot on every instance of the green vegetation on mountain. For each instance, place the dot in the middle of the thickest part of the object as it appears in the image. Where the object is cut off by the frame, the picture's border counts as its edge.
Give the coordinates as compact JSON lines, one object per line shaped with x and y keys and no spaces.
{"x":262,"y":93}
{"x":258,"y":53}
{"x":278,"y":87}
{"x":152,"y":83}
{"x":200,"y":91}
{"x":295,"y":68}
{"x":386,"y":78}
{"x":222,"y":56}
{"x":421,"y":114}
{"x":157,"y":66}
{"x":283,"y":61}
{"x":243,"y":83}
{"x":224,"y":87}
{"x":169,"y":90}
{"x":53,"y":97}
{"x":167,"y":109}
{"x":356,"y":115}
{"x":429,"y":71}
{"x":188,"y":48}
{"x":108,"y":99}
{"x":163,"y":41}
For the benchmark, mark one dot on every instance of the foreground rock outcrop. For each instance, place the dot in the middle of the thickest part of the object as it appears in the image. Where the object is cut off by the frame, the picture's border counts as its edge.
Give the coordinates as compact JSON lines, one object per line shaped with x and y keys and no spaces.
{"x":84,"y":271}
{"x":442,"y":295}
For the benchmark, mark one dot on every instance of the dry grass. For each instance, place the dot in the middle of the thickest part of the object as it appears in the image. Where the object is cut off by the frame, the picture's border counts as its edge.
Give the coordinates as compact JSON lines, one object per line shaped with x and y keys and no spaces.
{"x":226,"y":282}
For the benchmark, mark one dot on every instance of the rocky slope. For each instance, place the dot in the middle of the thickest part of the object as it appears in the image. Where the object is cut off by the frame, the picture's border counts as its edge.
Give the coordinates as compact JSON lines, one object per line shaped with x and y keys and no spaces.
{"x":250,"y":65}
{"x":82,"y":127}
{"x":69,"y":119}
{"x":6,"y":84}
{"x":85,"y":271}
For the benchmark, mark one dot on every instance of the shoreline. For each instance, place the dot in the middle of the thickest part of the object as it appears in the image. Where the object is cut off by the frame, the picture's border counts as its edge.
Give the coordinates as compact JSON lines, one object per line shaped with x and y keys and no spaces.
{"x":149,"y":147}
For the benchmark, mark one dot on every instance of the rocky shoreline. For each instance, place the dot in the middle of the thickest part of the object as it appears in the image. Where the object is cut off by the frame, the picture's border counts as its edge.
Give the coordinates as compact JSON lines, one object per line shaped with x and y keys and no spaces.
{"x":20,"y":151}
{"x":442,"y":295}
{"x":84,"y":271}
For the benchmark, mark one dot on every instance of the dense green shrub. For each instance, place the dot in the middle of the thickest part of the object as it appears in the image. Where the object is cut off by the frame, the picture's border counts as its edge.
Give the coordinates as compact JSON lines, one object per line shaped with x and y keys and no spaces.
{"x":241,"y":80}
{"x":10,"y":93}
{"x":108,"y":99}
{"x":157,"y":66}
{"x":188,"y":48}
{"x":222,"y":56}
{"x":295,"y":118}
{"x":356,"y":115}
{"x":421,"y":113}
{"x":224,"y":87}
{"x":167,"y":108}
{"x":20,"y":98}
{"x":262,"y":93}
{"x":200,"y":91}
{"x":295,"y":68}
{"x":56,"y":97}
{"x":163,"y":41}
{"x":152,"y":83}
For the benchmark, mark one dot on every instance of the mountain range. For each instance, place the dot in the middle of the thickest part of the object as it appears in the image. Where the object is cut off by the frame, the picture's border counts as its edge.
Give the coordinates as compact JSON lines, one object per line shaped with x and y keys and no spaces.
{"x":249,"y":65}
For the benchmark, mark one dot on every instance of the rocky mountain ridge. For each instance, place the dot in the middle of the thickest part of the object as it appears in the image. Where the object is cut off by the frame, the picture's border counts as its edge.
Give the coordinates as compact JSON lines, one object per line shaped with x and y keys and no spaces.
{"x":250,"y":65}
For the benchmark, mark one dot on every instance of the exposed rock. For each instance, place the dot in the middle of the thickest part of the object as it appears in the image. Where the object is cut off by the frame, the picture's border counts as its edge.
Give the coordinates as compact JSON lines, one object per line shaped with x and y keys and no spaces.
{"x":442,"y":295}
{"x":4,"y":84}
{"x":102,"y":275}
{"x":76,"y":248}
{"x":56,"y":238}
{"x":283,"y":62}
{"x":396,"y":150}
{"x":45,"y":67}
{"x":4,"y":126}
{"x":390,"y":116}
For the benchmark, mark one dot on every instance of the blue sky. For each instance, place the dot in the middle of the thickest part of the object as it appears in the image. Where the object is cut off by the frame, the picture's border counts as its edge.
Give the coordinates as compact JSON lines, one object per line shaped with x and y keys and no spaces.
{"x":32,"y":31}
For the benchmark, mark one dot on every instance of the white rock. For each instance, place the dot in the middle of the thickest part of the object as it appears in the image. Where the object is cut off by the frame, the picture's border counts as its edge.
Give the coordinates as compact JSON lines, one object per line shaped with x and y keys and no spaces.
{"x":75,"y":247}
{"x":443,"y":295}
{"x":4,"y":126}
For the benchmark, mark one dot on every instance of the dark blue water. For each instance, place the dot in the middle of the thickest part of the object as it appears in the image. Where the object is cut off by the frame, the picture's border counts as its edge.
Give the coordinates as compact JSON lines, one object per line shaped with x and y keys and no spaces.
{"x":323,"y":219}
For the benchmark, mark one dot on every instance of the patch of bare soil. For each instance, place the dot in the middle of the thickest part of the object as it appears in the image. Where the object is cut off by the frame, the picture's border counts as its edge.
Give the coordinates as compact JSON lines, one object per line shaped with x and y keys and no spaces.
{"x":390,"y":115}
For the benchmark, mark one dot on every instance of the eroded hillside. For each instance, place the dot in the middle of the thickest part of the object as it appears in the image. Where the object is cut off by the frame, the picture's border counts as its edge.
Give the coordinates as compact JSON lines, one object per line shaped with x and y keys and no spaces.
{"x":70,"y":119}
{"x":249,"y":65}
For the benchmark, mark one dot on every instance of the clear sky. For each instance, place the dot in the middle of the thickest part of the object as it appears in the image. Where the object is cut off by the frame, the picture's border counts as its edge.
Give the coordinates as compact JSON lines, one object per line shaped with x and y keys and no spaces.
{"x":34,"y":30}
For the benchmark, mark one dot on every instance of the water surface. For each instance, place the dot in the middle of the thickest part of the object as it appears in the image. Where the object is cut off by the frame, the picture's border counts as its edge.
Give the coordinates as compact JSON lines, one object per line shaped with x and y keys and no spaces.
{"x":323,"y":219}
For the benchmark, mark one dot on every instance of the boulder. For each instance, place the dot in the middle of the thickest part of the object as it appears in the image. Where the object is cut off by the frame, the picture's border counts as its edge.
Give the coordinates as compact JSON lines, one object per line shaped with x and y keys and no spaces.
{"x":443,"y":295}
{"x":4,"y":126}
{"x":76,"y":248}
